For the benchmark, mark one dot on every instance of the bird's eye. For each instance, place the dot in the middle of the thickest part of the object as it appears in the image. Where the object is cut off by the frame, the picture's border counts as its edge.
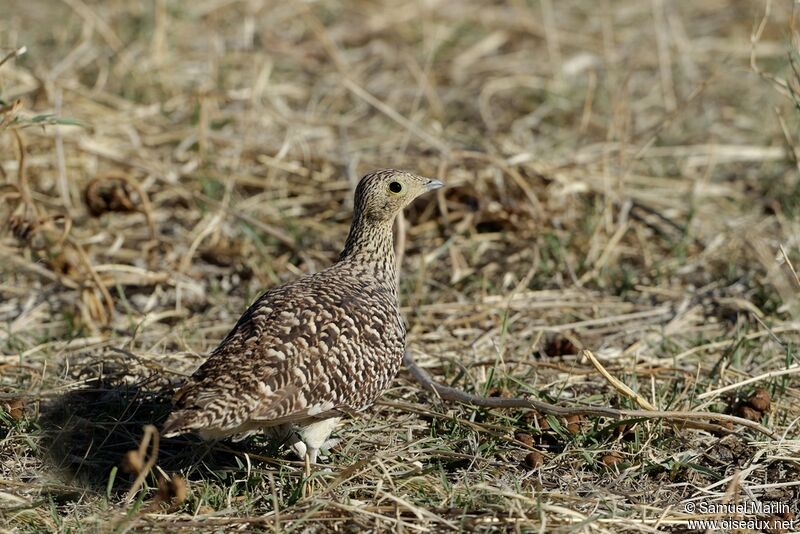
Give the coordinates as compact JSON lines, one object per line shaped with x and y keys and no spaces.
{"x":395,"y":187}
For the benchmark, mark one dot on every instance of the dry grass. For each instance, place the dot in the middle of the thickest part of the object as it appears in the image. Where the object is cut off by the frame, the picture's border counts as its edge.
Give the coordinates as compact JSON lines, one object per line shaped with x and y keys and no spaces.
{"x":621,"y":176}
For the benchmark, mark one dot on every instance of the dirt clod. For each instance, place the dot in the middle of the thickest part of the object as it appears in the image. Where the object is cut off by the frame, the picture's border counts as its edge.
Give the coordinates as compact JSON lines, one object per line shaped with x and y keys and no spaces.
{"x":534,"y":459}
{"x":749,"y":413}
{"x":760,"y":400}
{"x":612,"y":458}
{"x":574,"y":424}
{"x":525,"y":438}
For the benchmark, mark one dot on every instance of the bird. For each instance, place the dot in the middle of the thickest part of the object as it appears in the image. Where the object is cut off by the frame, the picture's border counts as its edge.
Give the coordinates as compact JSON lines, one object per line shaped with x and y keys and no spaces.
{"x":313,"y":350}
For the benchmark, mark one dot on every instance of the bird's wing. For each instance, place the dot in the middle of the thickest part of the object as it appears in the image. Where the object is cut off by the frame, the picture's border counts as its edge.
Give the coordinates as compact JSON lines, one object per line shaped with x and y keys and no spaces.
{"x":273,"y":367}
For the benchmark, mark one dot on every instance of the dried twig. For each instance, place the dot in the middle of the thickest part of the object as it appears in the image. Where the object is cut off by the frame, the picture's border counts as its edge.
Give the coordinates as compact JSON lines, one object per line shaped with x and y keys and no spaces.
{"x":13,"y":54}
{"x":136,"y":461}
{"x":447,"y":393}
{"x":616,"y":383}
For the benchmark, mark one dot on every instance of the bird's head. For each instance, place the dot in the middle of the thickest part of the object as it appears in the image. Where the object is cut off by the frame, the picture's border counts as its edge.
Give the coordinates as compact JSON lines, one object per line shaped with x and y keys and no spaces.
{"x":381,"y":195}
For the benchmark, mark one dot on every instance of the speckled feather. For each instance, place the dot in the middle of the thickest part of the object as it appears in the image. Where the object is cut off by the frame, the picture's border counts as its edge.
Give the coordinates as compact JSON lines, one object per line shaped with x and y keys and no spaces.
{"x":321,"y":346}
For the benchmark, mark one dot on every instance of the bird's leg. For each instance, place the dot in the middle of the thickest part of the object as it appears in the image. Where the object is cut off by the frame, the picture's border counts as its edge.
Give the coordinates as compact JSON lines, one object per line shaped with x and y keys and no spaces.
{"x":315,"y":436}
{"x":307,"y":461}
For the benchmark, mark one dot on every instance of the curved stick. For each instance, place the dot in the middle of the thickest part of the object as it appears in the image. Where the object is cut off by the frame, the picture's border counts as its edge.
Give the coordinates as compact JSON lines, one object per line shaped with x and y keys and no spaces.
{"x":447,"y":393}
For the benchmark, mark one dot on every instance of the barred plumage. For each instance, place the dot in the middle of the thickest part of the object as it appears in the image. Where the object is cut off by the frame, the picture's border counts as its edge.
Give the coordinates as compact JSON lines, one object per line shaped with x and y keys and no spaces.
{"x":309,"y":351}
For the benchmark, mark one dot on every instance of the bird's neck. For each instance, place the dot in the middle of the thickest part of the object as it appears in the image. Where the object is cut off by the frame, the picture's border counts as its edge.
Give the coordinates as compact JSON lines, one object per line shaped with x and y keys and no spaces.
{"x":370,"y":245}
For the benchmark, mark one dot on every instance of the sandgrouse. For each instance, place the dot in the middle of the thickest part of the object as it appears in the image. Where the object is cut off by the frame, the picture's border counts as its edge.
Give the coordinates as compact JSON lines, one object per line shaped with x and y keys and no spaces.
{"x":307,"y":352}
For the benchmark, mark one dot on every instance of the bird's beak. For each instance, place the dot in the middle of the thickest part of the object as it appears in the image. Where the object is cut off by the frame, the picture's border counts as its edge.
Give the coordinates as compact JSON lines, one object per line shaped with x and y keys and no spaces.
{"x":433,"y":184}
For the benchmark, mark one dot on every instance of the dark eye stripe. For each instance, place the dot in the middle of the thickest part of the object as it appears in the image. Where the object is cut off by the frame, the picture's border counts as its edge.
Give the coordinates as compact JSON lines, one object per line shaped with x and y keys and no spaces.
{"x":395,"y":187}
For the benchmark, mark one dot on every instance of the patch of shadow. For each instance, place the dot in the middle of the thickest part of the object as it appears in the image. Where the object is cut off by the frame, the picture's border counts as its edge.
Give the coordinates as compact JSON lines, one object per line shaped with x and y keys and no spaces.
{"x":88,"y":431}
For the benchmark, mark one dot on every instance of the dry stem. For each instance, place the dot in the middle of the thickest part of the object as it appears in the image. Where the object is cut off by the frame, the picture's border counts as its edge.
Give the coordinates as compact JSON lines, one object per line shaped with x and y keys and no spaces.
{"x":447,"y":393}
